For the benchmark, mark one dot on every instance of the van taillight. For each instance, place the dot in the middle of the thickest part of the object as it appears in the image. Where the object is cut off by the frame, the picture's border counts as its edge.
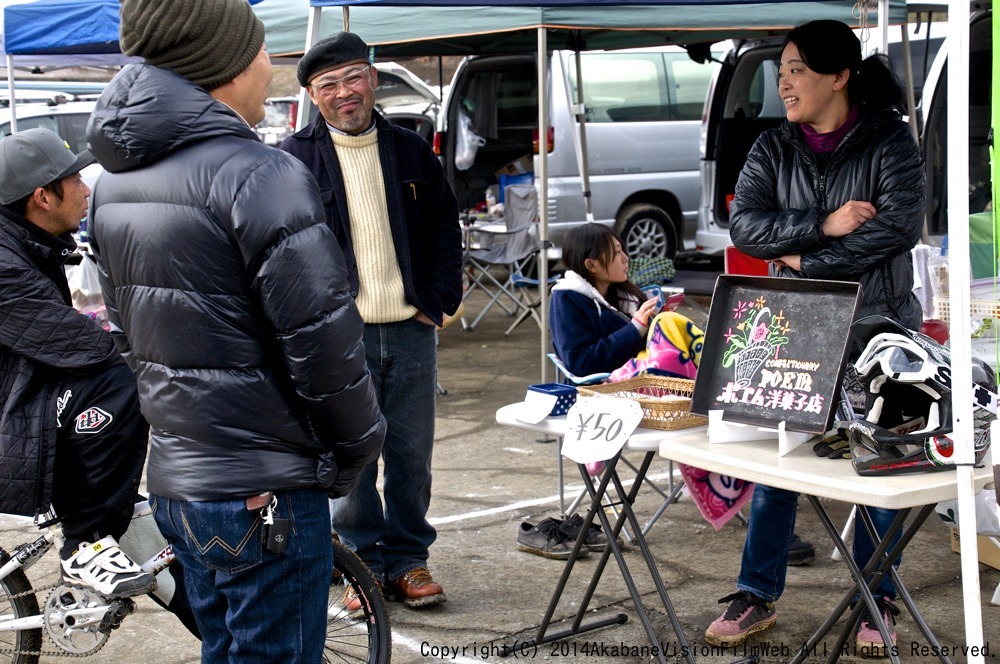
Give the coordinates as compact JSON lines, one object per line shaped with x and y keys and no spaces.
{"x":437,"y":142}
{"x":293,"y":117}
{"x":550,"y":136}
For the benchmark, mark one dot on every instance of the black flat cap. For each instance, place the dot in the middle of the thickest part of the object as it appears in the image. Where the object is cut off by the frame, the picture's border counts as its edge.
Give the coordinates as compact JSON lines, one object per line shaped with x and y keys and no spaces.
{"x":338,"y":49}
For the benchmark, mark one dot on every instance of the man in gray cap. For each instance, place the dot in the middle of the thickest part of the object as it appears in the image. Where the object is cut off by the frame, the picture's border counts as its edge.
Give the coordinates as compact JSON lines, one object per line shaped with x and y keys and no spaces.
{"x":397,"y":221}
{"x":231,"y":294}
{"x":71,"y":434}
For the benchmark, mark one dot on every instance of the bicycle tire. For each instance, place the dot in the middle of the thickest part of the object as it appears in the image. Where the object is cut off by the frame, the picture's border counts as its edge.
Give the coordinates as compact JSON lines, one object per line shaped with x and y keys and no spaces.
{"x":21,"y":641}
{"x":362,"y":636}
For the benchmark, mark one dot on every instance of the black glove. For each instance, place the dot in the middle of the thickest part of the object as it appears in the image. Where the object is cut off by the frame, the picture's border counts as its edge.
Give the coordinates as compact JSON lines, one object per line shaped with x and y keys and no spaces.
{"x":834,"y":445}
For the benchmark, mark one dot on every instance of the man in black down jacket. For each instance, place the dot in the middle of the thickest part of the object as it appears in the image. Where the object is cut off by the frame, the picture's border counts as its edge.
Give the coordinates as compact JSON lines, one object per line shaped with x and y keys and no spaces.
{"x":71,"y":434}
{"x":231,"y":302}
{"x":396,"y":218}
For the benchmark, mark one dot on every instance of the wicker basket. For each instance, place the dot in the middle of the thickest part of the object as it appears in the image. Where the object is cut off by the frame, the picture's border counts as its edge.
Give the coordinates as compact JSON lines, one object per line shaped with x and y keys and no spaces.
{"x":661,"y":409}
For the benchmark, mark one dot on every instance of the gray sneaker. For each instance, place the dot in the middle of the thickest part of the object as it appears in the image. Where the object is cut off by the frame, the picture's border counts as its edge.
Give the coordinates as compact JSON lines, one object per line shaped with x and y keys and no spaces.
{"x":595,"y":540}
{"x":546,"y":540}
{"x":745,"y":615}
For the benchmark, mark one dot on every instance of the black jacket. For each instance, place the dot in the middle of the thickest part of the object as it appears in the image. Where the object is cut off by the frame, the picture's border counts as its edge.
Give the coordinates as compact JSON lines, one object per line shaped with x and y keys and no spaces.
{"x":42,"y":340}
{"x":232,"y":295}
{"x":423,"y":212}
{"x":783,"y":196}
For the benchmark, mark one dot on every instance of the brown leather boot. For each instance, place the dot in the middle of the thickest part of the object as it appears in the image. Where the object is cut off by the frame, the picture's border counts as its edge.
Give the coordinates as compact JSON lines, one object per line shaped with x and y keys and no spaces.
{"x":416,"y":588}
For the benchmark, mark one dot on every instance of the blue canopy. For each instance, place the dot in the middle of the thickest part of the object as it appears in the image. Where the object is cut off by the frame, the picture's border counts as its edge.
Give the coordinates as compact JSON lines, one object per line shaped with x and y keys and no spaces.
{"x":62,"y":26}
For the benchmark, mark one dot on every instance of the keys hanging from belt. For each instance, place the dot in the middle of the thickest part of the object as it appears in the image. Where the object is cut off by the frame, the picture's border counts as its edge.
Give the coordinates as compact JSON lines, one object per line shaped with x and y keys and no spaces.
{"x":275,"y":528}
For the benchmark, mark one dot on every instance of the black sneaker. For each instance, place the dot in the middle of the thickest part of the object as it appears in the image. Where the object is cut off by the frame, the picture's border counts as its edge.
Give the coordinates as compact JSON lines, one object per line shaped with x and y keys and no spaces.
{"x":546,"y":540}
{"x":745,"y":615}
{"x":800,"y":552}
{"x":595,"y":539}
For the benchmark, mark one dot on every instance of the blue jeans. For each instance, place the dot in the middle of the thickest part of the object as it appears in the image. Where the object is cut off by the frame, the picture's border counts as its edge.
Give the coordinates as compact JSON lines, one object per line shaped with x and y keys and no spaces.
{"x":772,"y":522}
{"x":394,"y":540}
{"x":251,"y":605}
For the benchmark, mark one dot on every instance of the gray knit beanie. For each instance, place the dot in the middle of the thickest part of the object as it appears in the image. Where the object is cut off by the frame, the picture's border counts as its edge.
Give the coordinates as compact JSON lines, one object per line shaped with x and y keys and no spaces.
{"x":208,"y":42}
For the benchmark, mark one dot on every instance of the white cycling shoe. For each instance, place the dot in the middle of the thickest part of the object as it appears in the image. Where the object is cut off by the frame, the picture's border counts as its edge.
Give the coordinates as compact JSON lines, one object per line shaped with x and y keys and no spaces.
{"x":104,"y":568}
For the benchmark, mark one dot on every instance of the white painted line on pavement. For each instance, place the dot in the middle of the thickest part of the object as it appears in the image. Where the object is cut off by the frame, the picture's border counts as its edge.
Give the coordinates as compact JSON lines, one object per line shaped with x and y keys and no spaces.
{"x":423,"y":648}
{"x":570,"y":489}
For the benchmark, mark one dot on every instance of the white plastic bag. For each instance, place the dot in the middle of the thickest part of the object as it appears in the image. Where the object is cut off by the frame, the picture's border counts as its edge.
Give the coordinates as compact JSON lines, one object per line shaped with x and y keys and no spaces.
{"x":467,"y":143}
{"x":987,"y":514}
{"x":85,"y":285}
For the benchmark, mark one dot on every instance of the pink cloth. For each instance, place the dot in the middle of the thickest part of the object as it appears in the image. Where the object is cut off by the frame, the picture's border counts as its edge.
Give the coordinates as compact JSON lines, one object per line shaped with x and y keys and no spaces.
{"x":673,"y":348}
{"x":718,"y":497}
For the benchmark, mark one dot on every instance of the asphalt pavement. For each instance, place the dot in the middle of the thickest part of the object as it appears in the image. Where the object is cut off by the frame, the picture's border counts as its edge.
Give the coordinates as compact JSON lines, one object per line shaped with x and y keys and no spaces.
{"x":489,"y":478}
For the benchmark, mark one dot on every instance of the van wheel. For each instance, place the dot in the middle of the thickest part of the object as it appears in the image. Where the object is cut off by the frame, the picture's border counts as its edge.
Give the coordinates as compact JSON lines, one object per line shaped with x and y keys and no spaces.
{"x":648,"y":232}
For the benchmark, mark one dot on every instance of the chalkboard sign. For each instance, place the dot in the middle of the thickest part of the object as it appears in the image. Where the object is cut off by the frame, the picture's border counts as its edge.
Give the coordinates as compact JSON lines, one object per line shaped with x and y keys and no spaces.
{"x":775,"y":350}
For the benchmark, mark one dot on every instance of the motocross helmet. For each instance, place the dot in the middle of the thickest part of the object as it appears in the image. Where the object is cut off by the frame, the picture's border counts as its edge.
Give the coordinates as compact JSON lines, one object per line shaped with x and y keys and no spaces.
{"x":907,"y":424}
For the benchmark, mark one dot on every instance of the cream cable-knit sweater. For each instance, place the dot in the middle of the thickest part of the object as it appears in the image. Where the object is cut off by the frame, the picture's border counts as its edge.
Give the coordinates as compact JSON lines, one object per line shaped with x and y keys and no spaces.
{"x":380,"y":295}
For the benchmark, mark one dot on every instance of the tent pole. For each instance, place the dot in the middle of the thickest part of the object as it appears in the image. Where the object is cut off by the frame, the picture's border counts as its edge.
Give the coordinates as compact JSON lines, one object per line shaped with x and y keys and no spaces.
{"x":11,"y":94}
{"x":543,"y":197}
{"x":581,"y":118}
{"x":961,"y":347}
{"x":312,"y":36}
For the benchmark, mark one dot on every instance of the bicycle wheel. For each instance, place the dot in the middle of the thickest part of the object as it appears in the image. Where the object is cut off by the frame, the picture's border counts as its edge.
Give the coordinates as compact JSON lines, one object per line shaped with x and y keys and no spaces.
{"x":13,"y":645}
{"x":360,"y":636}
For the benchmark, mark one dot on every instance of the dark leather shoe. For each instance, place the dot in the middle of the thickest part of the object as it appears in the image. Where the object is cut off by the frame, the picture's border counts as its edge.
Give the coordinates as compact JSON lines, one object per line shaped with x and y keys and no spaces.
{"x":416,"y":588}
{"x":800,"y":552}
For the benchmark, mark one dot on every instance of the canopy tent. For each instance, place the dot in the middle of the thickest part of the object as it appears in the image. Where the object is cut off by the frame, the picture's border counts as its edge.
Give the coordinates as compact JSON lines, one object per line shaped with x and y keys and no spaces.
{"x":60,"y":33}
{"x":398,"y":28}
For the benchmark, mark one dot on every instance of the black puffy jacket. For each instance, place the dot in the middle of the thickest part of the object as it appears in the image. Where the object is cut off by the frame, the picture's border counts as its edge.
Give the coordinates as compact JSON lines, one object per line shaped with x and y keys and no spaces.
{"x":232,"y":295}
{"x":42,"y":340}
{"x":782,"y":198}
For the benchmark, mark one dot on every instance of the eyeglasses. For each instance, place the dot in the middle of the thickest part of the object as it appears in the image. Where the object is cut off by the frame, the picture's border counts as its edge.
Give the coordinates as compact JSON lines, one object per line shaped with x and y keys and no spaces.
{"x":352,"y":81}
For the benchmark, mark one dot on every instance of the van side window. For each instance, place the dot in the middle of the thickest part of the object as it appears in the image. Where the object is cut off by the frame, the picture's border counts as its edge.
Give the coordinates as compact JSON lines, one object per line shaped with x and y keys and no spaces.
{"x":43,"y":121}
{"x":641,"y":87}
{"x":76,"y":130}
{"x":765,"y":102}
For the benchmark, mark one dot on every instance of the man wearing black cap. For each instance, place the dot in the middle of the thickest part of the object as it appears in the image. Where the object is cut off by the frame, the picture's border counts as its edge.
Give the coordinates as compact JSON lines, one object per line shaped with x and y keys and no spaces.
{"x":232,"y":294}
{"x":71,"y":434}
{"x":396,"y":217}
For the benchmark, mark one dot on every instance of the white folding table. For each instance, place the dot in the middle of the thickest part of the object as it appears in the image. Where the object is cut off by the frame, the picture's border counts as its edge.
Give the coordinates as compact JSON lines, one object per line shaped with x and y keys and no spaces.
{"x":817,"y":477}
{"x":642,"y":439}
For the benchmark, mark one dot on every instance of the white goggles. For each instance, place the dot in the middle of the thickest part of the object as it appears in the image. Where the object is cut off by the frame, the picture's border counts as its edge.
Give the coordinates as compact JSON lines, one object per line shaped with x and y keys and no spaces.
{"x":899,"y":357}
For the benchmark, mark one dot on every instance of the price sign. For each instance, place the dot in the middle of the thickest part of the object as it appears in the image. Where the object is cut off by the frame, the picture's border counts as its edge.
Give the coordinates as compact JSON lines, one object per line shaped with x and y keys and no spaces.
{"x":598,"y":427}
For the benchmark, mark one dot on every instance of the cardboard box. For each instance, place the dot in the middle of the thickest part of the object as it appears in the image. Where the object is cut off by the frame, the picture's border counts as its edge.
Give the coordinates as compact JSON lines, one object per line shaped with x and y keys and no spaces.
{"x":989,"y":548}
{"x":525,"y":164}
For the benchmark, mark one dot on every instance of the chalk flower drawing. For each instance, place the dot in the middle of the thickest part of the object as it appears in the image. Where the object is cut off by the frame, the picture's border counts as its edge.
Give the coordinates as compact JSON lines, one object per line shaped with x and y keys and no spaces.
{"x":755,"y":338}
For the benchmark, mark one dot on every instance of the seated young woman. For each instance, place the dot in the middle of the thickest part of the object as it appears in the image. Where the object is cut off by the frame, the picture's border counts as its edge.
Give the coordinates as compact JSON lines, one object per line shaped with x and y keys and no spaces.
{"x":602,"y":322}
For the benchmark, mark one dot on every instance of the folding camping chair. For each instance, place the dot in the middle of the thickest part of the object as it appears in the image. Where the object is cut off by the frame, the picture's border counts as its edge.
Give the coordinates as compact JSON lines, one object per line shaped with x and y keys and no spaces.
{"x":513,"y":248}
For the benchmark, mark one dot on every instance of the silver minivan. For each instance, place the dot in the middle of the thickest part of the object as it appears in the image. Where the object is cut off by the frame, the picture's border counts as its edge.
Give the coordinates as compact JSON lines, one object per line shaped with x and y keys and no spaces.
{"x":643,"y":110}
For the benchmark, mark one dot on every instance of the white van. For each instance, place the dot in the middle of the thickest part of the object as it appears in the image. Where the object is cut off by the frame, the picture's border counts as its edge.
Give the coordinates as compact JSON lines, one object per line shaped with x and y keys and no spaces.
{"x":643,"y":111}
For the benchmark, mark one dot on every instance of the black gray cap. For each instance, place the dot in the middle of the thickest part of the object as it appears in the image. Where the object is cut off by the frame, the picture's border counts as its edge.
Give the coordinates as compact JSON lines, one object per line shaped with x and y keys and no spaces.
{"x":34,"y":158}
